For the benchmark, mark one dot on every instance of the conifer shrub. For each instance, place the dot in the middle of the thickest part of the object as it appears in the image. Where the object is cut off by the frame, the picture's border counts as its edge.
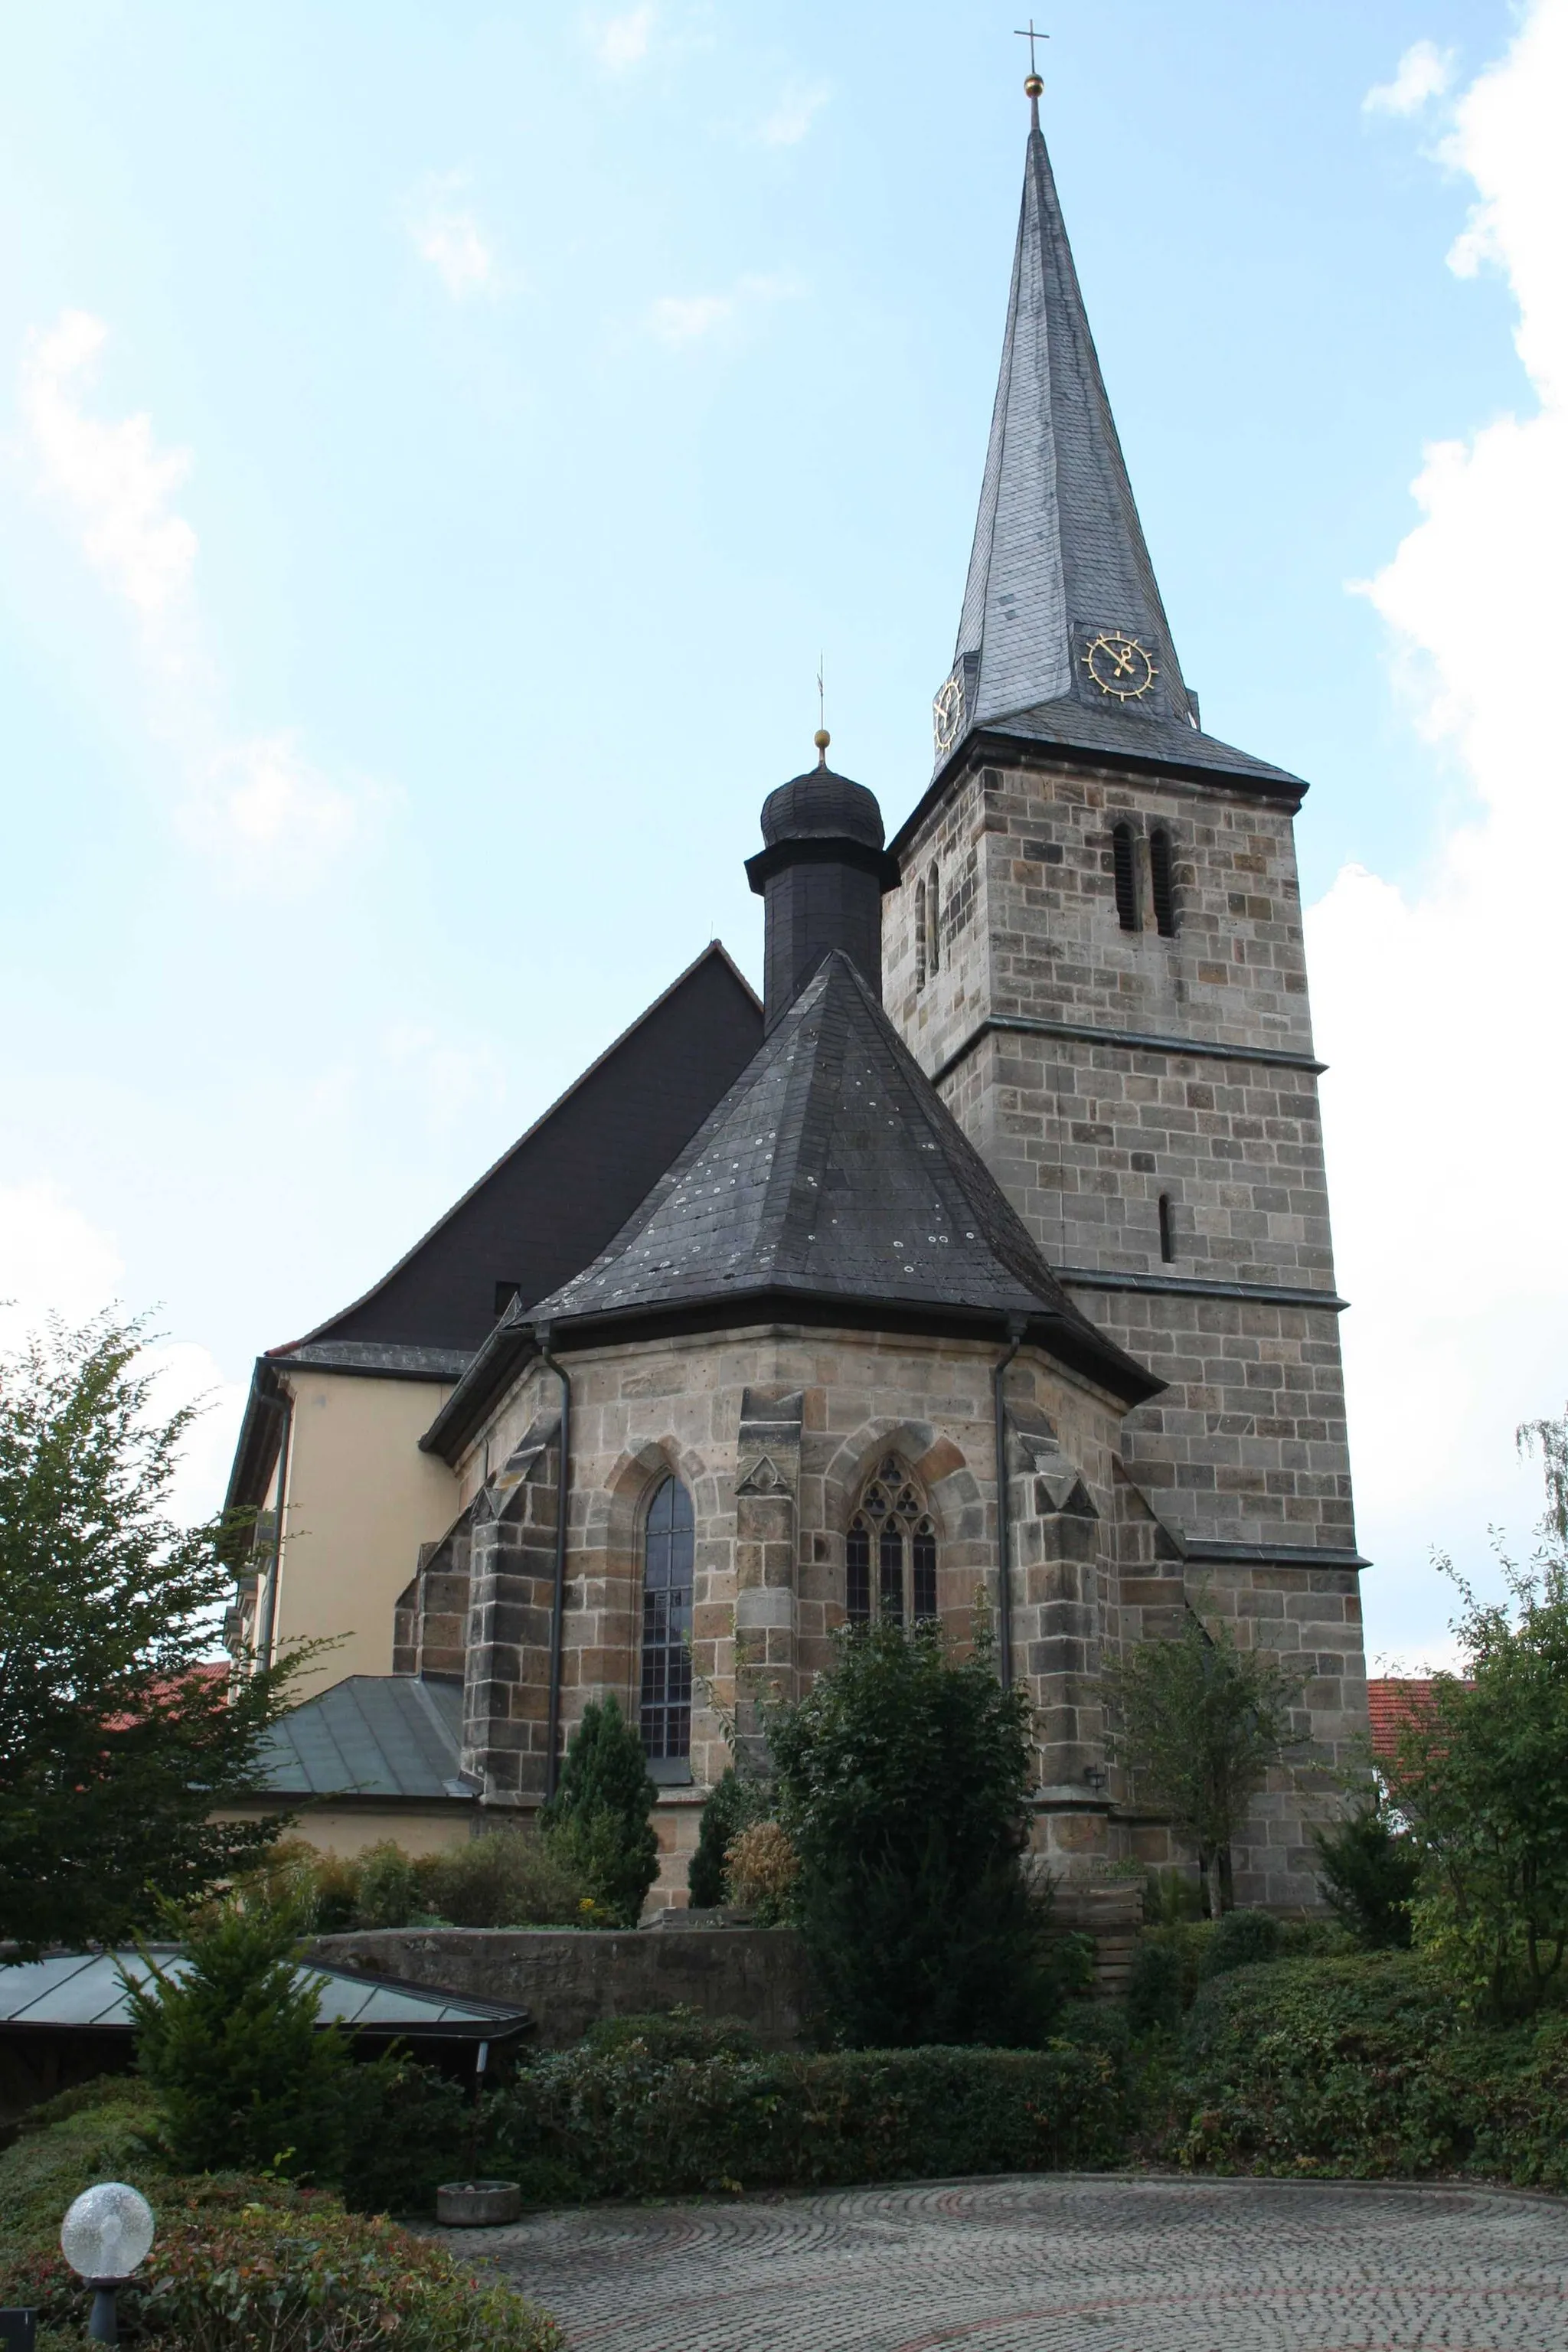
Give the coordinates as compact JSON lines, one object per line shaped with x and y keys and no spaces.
{"x":902,"y":1780}
{"x":1240,"y":1939}
{"x":597,"y":1823}
{"x":1370,"y":1871}
{"x":733,"y":1804}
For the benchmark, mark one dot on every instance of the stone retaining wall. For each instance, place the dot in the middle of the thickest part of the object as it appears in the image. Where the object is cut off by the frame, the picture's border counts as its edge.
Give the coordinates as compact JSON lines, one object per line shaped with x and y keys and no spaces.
{"x":567,"y":1981}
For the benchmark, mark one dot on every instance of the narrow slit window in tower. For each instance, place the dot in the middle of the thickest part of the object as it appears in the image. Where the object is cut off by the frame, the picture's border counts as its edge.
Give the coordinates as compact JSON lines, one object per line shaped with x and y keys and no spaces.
{"x":1125,"y":867}
{"x":1160,"y":877}
{"x":669,"y":1547}
{"x":1167,"y":1229}
{"x":920,"y":934}
{"x":933,"y":923}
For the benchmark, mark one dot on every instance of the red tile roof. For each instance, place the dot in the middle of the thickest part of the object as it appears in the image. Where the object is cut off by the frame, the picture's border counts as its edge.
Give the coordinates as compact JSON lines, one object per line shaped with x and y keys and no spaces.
{"x":1393,"y":1701}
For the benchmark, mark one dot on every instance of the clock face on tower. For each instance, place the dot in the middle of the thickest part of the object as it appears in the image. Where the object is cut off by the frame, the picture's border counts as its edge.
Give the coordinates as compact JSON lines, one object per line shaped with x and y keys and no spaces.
{"x":1118,"y":665}
{"x":947,"y":714}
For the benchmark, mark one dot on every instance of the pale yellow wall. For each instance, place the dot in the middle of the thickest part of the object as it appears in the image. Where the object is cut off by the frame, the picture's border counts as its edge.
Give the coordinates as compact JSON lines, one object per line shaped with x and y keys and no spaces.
{"x":351,"y":1829}
{"x":361,"y":1498}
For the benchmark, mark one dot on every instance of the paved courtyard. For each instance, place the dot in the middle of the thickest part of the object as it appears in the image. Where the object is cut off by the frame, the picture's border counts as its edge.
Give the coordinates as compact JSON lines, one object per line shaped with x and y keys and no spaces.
{"x":1033,"y":2265}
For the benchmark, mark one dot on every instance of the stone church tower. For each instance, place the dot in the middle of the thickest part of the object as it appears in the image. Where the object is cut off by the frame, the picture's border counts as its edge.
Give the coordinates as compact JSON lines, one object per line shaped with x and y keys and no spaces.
{"x":990,"y":1252}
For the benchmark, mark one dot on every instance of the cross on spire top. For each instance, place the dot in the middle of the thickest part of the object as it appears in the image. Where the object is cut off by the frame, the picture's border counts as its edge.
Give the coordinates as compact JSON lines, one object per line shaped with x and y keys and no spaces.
{"x":1033,"y":85}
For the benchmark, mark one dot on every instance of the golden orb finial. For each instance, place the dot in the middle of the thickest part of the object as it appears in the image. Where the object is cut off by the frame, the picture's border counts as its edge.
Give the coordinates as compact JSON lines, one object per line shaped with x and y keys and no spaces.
{"x":822,"y":739}
{"x":1033,"y":86}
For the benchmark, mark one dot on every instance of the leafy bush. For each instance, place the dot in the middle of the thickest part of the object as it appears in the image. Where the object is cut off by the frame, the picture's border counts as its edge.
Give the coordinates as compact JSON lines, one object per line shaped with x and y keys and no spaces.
{"x":388,"y":1893}
{"x":1156,"y":1989}
{"x":237,"y":2265}
{"x":903,"y":1778}
{"x":630,"y":2122}
{"x":507,"y":1878}
{"x":1371,"y":1868}
{"x":680,"y":2033}
{"x":1364,"y":2066}
{"x":597,"y":1821}
{"x":760,"y":1871}
{"x":1241,"y":1940}
{"x":733,"y":1804}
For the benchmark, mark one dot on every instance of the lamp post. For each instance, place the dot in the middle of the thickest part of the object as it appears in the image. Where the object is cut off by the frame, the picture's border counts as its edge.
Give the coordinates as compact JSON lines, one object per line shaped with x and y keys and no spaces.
{"x":104,"y":2236}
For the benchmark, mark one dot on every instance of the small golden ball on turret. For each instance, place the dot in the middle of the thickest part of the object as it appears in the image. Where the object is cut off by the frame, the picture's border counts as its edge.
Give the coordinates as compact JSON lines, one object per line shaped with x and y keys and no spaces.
{"x":822,"y":739}
{"x":1033,"y":86}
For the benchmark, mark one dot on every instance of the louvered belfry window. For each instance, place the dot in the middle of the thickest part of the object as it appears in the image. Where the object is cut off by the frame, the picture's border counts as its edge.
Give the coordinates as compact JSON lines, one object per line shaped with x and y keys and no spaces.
{"x":889,"y":1554}
{"x":668,"y":1544}
{"x":1124,"y":869}
{"x":1161,"y":882}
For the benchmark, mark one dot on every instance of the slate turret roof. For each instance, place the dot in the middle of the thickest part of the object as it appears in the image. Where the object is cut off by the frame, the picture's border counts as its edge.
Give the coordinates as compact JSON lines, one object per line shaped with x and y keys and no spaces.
{"x":1059,"y":552}
{"x":832,"y":1184}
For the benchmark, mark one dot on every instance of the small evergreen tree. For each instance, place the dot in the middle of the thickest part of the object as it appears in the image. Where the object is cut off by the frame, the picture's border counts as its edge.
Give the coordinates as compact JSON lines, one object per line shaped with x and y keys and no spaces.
{"x":597,"y":1821}
{"x":1200,"y":1724}
{"x":246,"y":2077}
{"x":733,"y":1805}
{"x":903,"y":1778}
{"x":1371,"y":1868}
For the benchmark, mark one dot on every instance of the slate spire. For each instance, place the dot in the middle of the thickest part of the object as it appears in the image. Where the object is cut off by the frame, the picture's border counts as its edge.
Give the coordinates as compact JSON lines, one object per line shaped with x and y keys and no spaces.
{"x":1063,"y":635}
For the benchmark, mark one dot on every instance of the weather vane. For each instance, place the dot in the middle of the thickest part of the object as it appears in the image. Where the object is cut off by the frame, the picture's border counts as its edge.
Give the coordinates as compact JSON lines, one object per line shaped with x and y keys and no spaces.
{"x":823,"y":738}
{"x":1034,"y":85}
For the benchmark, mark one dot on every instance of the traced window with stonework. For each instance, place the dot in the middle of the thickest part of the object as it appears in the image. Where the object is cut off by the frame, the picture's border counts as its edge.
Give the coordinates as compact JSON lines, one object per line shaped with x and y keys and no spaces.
{"x":889,"y":1553}
{"x":668,"y":1544}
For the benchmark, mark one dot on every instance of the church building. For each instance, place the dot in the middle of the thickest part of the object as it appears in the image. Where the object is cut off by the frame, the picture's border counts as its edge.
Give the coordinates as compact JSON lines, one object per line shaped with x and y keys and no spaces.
{"x":989,"y":1254}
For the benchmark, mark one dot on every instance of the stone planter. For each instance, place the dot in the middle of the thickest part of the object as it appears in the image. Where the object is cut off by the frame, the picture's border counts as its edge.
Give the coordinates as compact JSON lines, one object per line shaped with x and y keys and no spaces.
{"x":477,"y":2204}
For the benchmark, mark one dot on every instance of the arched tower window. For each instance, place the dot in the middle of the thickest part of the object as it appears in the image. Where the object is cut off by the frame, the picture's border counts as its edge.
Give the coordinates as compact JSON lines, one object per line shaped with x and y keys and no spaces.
{"x":668,"y":1544}
{"x":1160,"y":879}
{"x":920,"y":934}
{"x":1124,"y":866}
{"x":933,"y":923}
{"x":889,"y":1553}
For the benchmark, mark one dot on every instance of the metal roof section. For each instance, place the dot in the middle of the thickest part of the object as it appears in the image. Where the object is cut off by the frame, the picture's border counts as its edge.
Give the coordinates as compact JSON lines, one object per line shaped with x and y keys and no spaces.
{"x":833,"y":1173}
{"x":1059,"y":558}
{"x":82,"y":1991}
{"x":370,"y":1736}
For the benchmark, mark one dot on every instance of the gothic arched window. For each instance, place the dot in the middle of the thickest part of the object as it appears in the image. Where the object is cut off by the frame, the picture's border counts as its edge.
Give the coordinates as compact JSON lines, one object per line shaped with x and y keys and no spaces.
{"x":889,"y":1553}
{"x":669,"y":1543}
{"x":1124,"y":867}
{"x":1160,"y":882}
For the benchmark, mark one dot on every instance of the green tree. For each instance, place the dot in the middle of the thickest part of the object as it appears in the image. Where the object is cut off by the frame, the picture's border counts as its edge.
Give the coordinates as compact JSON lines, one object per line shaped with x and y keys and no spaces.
{"x":903,"y":1779}
{"x":733,"y":1804}
{"x":1370,"y":1868}
{"x":597,"y":1821}
{"x":119,"y":1739}
{"x":246,"y":2077}
{"x":1200,"y":1724}
{"x":1482,"y":1772}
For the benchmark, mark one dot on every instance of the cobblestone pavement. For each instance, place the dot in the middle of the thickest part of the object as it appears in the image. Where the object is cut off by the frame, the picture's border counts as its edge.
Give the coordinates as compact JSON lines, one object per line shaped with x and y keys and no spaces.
{"x":1039,"y":2264}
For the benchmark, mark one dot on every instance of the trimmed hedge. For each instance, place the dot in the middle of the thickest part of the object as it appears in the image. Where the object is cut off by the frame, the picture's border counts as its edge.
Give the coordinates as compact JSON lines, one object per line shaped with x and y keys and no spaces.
{"x":633,"y":2121}
{"x":237,"y":2264}
{"x":1363,"y":2067}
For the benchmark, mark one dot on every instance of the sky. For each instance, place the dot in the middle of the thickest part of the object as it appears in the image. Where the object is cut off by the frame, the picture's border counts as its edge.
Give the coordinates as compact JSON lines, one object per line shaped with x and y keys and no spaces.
{"x":437,"y":445}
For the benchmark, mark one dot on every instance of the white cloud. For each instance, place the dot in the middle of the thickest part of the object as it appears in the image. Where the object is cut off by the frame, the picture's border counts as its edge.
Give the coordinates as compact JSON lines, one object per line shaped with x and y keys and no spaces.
{"x":1441,"y":1005}
{"x":799,"y":103}
{"x":1424,"y":72}
{"x":447,"y":234}
{"x":620,"y":42}
{"x":238,"y":797}
{"x":114,"y":475}
{"x":678,"y":319}
{"x":55,"y":1261}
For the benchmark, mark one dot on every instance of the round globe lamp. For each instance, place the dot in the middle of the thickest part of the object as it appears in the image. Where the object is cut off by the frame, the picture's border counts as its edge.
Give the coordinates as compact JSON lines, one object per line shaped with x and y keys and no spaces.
{"x":106,"y":2234}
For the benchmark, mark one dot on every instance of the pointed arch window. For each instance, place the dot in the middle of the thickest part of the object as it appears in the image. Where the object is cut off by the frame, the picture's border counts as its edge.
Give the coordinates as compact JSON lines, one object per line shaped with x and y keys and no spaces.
{"x":1124,"y":867}
{"x":669,"y":1549}
{"x":890,"y":1552}
{"x":1161,"y":883}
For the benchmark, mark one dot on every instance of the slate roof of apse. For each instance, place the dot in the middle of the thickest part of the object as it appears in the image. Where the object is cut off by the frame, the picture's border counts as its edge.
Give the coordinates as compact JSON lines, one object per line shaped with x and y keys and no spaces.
{"x":832,"y":1171}
{"x":82,"y":1990}
{"x":369,"y":1736}
{"x":543,"y":1210}
{"x":1059,"y":552}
